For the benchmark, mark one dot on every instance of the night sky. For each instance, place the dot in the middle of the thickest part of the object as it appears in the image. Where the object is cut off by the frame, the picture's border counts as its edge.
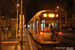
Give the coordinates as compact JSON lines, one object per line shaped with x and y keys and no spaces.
{"x":30,"y":7}
{"x":33,"y":6}
{"x":8,"y":8}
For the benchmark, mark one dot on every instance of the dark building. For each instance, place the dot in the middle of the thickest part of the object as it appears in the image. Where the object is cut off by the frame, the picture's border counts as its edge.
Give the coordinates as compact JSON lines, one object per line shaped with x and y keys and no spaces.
{"x":66,"y":9}
{"x":5,"y":27}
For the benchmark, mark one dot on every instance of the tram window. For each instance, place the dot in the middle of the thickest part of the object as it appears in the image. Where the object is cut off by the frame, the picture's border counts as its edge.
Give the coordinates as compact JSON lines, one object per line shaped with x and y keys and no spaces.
{"x":44,"y":24}
{"x":41,"y":27}
{"x":34,"y":26}
{"x":50,"y":27}
{"x":52,"y":24}
{"x":55,"y":25}
{"x":30,"y":26}
{"x":46,"y":27}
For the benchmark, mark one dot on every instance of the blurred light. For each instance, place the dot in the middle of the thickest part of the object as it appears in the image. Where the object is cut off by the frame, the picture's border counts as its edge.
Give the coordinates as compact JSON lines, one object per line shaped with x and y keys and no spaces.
{"x":43,"y":11}
{"x":41,"y":33}
{"x":2,"y":16}
{"x":49,"y":25}
{"x":51,"y":15}
{"x":20,"y":19}
{"x":45,"y":15}
{"x":28,"y":26}
{"x":60,"y":33}
{"x":17,"y":4}
{"x":57,"y":6}
{"x":23,"y":20}
{"x":23,"y":23}
{"x":25,"y":26}
{"x":20,"y":22}
{"x":43,"y":21}
{"x":56,"y":15}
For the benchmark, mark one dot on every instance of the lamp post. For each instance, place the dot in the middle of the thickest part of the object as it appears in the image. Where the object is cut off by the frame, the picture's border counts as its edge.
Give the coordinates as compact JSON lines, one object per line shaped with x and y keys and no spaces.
{"x":0,"y":29}
{"x":17,"y":18}
{"x":21,"y":31}
{"x":59,"y":12}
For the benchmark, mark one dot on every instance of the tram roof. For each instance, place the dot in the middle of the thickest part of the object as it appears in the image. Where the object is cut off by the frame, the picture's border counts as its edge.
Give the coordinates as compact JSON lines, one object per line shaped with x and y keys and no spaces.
{"x":36,"y":16}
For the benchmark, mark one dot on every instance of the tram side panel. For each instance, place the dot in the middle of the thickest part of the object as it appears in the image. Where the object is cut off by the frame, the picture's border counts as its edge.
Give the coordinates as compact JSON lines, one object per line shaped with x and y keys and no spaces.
{"x":34,"y":32}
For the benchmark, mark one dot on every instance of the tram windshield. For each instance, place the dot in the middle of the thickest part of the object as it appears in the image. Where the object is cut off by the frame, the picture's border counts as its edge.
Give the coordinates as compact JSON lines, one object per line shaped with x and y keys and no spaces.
{"x":50,"y":27}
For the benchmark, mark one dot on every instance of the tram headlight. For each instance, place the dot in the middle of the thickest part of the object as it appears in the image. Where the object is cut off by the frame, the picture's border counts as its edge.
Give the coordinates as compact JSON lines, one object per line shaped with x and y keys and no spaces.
{"x":56,"y":15}
{"x":51,"y":15}
{"x":45,"y":15}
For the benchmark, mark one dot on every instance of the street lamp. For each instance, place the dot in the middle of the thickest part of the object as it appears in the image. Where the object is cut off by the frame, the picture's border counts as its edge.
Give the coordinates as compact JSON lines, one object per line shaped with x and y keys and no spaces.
{"x":57,"y":6}
{"x":59,"y":12}
{"x":17,"y":19}
{"x":21,"y":35}
{"x":17,"y":5}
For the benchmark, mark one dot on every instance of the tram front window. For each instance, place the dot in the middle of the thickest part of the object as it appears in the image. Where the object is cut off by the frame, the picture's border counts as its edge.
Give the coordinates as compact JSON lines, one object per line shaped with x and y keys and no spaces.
{"x":50,"y":27}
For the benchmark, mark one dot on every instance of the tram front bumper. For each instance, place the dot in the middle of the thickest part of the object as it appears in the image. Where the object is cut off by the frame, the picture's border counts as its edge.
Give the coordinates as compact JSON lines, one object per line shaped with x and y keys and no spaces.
{"x":50,"y":42}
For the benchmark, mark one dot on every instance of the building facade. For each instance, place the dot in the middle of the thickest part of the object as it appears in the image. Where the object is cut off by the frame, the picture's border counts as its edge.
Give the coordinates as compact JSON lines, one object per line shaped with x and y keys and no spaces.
{"x":66,"y":9}
{"x":5,"y":27}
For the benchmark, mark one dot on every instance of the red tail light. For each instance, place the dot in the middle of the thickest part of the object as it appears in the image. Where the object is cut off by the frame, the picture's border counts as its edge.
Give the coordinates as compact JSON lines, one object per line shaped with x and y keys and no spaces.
{"x":41,"y":33}
{"x":60,"y":33}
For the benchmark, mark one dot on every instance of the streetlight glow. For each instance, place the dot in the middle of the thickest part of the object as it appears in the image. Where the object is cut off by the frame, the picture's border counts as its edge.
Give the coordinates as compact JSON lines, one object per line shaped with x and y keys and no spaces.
{"x":57,"y":6}
{"x":17,"y":4}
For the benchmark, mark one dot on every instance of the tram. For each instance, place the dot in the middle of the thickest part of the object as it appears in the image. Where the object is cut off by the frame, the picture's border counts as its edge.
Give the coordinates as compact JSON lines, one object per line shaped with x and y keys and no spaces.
{"x":44,"y":26}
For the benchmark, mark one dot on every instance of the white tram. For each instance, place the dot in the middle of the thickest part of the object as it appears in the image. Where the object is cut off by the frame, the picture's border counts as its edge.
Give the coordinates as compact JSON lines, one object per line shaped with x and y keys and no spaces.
{"x":45,"y":27}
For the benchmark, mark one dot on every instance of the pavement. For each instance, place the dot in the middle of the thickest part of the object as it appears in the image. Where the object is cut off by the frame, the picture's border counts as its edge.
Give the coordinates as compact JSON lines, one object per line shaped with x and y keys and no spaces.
{"x":14,"y":44}
{"x":68,"y":38}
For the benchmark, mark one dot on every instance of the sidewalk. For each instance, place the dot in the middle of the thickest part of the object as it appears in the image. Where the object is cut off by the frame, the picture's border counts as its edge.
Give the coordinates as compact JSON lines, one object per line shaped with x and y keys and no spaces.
{"x":13,"y":44}
{"x":9,"y":44}
{"x":68,"y":39}
{"x":68,"y":35}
